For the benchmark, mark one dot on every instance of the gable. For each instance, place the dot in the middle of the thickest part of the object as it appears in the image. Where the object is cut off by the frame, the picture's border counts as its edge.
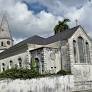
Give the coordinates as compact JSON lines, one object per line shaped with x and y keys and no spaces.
{"x":80,"y":32}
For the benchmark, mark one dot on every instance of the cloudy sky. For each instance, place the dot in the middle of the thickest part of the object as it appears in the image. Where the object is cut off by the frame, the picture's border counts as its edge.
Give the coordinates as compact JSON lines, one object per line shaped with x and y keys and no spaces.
{"x":38,"y":17}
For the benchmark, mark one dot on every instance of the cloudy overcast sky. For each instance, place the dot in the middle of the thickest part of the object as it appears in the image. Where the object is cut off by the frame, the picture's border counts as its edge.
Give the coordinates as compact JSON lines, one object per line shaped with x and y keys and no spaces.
{"x":38,"y":17}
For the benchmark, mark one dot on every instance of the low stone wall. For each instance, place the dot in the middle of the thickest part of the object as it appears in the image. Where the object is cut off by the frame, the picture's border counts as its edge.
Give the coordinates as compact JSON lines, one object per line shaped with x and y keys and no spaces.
{"x":47,"y":84}
{"x":82,"y":77}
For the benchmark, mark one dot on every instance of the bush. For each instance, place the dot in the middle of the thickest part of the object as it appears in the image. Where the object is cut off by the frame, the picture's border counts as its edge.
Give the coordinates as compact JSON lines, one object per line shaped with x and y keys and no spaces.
{"x":27,"y":73}
{"x":19,"y":73}
{"x":63,"y":72}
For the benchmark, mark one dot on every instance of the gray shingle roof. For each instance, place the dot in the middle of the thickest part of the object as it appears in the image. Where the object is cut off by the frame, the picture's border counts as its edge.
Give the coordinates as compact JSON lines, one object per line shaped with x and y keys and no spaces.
{"x":64,"y":35}
{"x":41,"y":41}
{"x":34,"y":40}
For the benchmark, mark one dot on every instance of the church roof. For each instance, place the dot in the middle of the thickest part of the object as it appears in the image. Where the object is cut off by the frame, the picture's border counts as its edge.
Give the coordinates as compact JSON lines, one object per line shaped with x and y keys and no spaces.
{"x":34,"y":40}
{"x":64,"y":35}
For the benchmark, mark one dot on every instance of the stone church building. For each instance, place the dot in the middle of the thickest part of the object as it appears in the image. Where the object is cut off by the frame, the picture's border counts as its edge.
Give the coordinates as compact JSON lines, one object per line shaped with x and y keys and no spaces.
{"x":69,"y":50}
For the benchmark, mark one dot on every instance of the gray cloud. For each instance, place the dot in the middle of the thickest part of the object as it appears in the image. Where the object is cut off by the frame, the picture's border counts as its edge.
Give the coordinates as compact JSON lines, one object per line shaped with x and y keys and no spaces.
{"x":24,"y":23}
{"x":74,"y":2}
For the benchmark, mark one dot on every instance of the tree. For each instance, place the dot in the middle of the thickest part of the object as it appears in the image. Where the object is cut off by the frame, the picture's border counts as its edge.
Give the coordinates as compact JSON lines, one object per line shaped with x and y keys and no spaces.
{"x":61,"y":26}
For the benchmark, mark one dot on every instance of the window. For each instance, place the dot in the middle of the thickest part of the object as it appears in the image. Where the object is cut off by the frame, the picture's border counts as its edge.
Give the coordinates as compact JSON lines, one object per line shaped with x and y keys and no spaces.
{"x":8,"y":42}
{"x":3,"y":66}
{"x":87,"y":53}
{"x":3,"y":69}
{"x":2,"y":44}
{"x":81,"y":49}
{"x":75,"y":51}
{"x":42,"y":66}
{"x":11,"y":63}
{"x":51,"y":67}
{"x":20,"y":62}
{"x":37,"y":64}
{"x":2,"y":29}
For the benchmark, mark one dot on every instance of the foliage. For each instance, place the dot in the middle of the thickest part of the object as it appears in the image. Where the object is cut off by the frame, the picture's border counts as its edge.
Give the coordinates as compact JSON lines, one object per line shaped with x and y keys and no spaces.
{"x":19,"y":73}
{"x":61,"y":26}
{"x":27,"y":74}
{"x":63,"y":72}
{"x":34,"y":65}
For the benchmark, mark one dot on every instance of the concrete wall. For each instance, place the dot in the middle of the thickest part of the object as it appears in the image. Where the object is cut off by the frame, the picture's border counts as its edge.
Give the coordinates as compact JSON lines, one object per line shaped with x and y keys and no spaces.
{"x":47,"y":84}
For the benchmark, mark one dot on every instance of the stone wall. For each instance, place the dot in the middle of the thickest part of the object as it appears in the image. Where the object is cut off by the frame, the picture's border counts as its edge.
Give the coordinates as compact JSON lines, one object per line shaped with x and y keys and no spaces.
{"x":52,"y":60}
{"x":47,"y":84}
{"x":82,"y":71}
{"x":65,"y":58}
{"x":82,"y":77}
{"x":15,"y":61}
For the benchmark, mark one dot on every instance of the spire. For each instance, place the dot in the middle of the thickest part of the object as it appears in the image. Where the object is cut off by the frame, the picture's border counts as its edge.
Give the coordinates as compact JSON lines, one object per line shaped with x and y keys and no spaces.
{"x":4,"y":28}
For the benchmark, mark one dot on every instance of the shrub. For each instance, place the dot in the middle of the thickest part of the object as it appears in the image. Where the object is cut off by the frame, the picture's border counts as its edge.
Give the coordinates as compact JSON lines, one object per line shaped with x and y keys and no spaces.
{"x":63,"y":72}
{"x":27,"y":73}
{"x":19,"y":73}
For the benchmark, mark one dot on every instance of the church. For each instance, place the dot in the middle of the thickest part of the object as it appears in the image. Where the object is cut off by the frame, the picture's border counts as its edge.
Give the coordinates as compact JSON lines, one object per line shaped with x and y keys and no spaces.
{"x":69,"y":50}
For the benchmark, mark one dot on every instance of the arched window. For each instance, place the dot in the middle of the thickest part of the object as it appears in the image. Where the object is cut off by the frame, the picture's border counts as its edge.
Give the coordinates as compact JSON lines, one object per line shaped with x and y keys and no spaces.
{"x":75,"y":51}
{"x":3,"y":66}
{"x":87,"y":53}
{"x":20,"y":62}
{"x":34,"y":63}
{"x":2,"y":44}
{"x":42,"y":66}
{"x":8,"y":42}
{"x":11,"y":64}
{"x":81,"y":49}
{"x":2,"y":29}
{"x":37,"y":64}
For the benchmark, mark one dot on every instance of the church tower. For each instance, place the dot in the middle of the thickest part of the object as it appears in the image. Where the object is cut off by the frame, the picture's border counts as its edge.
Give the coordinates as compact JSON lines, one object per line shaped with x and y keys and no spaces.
{"x":6,"y":40}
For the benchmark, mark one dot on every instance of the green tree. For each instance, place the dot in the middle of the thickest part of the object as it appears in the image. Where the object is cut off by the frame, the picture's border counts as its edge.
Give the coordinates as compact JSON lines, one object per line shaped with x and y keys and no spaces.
{"x":61,"y":26}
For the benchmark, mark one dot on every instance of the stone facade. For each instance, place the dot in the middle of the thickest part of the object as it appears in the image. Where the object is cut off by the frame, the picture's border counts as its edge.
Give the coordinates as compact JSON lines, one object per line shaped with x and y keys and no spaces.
{"x":52,"y":57}
{"x":48,"y":58}
{"x":82,"y":71}
{"x":70,"y":51}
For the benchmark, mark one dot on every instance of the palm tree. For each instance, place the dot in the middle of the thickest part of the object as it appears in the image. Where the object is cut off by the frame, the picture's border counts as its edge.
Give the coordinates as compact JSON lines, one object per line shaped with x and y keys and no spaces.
{"x":61,"y":26}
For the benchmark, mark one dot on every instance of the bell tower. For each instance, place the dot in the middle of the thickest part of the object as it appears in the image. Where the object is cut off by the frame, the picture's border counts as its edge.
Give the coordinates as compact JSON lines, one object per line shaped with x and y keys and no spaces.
{"x":6,"y":40}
